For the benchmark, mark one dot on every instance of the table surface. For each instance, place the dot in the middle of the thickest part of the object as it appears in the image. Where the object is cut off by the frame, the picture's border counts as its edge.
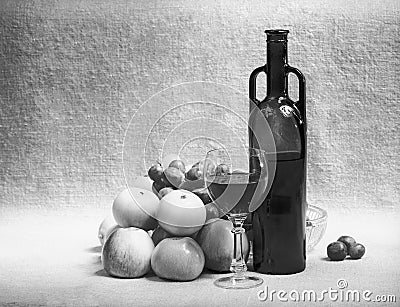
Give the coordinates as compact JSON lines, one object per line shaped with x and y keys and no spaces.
{"x":53,"y":258}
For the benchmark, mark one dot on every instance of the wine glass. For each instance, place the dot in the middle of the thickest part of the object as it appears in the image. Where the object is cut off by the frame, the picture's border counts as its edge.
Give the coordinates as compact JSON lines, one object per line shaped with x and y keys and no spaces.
{"x":236,"y":180}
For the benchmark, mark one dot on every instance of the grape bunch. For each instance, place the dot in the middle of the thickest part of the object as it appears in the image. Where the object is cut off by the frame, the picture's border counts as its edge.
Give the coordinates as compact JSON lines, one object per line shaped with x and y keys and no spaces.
{"x":175,"y":177}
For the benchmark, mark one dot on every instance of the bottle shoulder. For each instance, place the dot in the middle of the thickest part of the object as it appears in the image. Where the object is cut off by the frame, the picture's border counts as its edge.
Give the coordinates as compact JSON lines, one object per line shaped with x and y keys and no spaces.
{"x":285,"y":122}
{"x":281,"y":107}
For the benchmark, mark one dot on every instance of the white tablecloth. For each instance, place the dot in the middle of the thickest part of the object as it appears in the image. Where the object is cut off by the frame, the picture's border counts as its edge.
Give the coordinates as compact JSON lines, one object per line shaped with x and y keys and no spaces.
{"x":53,"y":258}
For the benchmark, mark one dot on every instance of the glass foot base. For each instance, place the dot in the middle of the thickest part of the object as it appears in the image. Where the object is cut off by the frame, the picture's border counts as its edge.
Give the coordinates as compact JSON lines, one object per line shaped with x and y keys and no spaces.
{"x":245,"y":282}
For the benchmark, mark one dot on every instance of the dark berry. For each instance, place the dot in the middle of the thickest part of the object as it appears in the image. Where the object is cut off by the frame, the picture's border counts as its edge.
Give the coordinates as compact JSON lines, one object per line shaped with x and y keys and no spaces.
{"x":348,"y":241}
{"x":155,"y":172}
{"x":178,"y":164}
{"x":357,"y":251}
{"x":221,"y":170}
{"x":337,"y":251}
{"x":193,"y":174}
{"x":173,"y":177}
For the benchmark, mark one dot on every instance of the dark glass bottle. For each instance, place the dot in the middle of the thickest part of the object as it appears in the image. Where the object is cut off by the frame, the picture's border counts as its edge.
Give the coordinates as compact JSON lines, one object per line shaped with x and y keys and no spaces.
{"x":278,"y":225}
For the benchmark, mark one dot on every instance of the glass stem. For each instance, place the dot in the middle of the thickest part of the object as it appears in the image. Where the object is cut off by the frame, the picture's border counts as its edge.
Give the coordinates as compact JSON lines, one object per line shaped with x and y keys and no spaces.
{"x":238,"y":265}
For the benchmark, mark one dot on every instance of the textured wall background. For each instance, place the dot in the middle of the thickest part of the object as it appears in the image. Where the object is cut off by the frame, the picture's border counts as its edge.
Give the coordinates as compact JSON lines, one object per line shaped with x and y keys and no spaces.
{"x":72,"y":74}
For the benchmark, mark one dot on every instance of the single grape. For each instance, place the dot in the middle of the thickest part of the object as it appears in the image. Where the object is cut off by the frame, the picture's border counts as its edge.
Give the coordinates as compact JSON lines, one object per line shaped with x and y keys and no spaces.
{"x":173,"y":177}
{"x":155,"y":172}
{"x":178,"y":164}
{"x":165,"y":191}
{"x":348,"y":241}
{"x":357,"y":251}
{"x":193,"y":174}
{"x":222,"y":169}
{"x":337,"y":251}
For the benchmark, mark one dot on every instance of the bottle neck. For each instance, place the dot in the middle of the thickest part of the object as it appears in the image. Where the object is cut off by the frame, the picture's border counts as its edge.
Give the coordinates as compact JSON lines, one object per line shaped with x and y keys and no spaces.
{"x":276,"y":62}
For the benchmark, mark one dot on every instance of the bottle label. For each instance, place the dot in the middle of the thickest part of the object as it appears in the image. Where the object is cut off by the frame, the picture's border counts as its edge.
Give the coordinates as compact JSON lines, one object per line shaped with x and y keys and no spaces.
{"x":286,"y":110}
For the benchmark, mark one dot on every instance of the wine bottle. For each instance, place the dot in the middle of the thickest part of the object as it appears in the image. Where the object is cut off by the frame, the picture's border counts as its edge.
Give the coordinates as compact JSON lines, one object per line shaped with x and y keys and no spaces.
{"x":278,"y":225}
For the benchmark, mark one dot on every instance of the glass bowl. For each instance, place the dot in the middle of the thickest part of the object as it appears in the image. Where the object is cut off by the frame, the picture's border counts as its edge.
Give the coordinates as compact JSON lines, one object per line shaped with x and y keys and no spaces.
{"x":316,"y":221}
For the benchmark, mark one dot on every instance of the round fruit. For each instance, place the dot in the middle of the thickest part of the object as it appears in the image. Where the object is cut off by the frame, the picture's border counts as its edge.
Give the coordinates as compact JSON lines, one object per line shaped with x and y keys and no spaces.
{"x":222,"y":169}
{"x":107,"y":226}
{"x":203,"y":194}
{"x":127,"y":253}
{"x":173,"y":177}
{"x":178,"y":164}
{"x":136,"y":208}
{"x":178,"y":259}
{"x":181,"y":213}
{"x":194,"y":174}
{"x":155,"y":188}
{"x":212,"y":211}
{"x":217,"y":242}
{"x":348,"y":241}
{"x":165,"y":191}
{"x":158,"y":186}
{"x":337,"y":251}
{"x":155,"y":172}
{"x":159,"y":234}
{"x":357,"y":251}
{"x":143,"y":182}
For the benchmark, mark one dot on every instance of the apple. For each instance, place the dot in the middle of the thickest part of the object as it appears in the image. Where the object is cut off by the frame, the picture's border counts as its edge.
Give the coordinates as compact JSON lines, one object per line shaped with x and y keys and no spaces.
{"x":212,"y":211}
{"x":143,"y":182}
{"x":181,"y":213}
{"x":127,"y":253}
{"x":217,"y":242}
{"x":107,"y":226}
{"x":178,"y":259}
{"x":136,"y":208}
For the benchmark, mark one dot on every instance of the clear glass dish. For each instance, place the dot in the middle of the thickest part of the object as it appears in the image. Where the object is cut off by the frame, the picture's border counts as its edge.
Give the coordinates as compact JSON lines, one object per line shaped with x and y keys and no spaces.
{"x":316,"y":222}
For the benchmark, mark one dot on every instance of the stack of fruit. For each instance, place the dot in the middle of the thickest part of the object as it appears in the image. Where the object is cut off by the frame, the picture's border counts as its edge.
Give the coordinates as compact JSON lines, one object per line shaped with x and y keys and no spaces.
{"x":343,"y":247}
{"x":167,"y":223}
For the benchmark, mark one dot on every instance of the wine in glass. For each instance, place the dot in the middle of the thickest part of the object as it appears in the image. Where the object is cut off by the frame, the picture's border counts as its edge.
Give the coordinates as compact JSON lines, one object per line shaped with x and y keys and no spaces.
{"x":237,"y":183}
